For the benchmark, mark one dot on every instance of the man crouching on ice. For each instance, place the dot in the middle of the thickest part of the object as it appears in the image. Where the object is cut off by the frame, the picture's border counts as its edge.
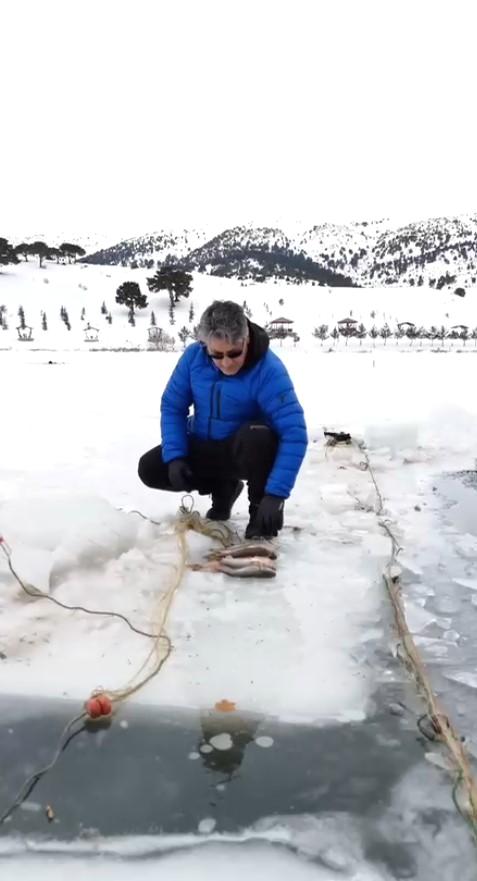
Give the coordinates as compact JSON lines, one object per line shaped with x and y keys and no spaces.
{"x":247,"y":423}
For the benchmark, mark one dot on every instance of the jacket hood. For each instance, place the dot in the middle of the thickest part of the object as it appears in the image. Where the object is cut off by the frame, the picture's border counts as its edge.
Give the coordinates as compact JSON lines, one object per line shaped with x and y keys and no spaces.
{"x":258,"y":344}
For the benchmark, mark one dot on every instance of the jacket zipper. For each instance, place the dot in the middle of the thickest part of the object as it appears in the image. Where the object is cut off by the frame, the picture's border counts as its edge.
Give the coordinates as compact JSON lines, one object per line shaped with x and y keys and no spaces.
{"x":219,"y":392}
{"x":211,"y":406}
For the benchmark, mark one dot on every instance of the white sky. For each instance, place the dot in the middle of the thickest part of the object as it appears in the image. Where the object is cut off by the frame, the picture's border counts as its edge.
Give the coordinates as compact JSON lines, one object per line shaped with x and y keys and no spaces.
{"x":133,"y":116}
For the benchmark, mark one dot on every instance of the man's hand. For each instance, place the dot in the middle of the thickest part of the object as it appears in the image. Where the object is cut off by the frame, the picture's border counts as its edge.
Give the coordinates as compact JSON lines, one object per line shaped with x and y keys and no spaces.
{"x":268,"y":519}
{"x":180,"y":475}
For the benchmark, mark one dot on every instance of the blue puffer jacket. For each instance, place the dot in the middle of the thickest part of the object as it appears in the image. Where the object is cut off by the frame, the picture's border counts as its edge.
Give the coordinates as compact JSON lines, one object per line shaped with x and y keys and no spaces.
{"x":262,"y":390}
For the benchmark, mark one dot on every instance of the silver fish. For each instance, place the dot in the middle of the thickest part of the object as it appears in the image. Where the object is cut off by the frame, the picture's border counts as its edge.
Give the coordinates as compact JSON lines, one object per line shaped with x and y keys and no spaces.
{"x":250,"y":549}
{"x":251,"y":567}
{"x":243,"y":567}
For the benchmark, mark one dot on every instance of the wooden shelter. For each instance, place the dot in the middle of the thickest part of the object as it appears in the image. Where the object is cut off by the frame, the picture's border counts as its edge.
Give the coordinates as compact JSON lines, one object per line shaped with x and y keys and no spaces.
{"x":25,"y":334}
{"x":154,"y":333}
{"x":91,"y":334}
{"x":281,"y":324}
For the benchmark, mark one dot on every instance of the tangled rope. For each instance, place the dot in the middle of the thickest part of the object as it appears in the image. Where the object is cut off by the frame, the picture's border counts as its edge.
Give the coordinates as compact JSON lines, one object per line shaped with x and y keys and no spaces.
{"x":102,"y":701}
{"x":440,"y":727}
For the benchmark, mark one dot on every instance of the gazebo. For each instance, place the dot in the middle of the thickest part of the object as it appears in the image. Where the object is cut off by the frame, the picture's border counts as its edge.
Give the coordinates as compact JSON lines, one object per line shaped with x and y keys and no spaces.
{"x":91,"y":334}
{"x":279,"y":328}
{"x":154,"y":333}
{"x":347,"y":322}
{"x":281,"y":324}
{"x":459,"y":331}
{"x":347,"y":327}
{"x":25,"y":333}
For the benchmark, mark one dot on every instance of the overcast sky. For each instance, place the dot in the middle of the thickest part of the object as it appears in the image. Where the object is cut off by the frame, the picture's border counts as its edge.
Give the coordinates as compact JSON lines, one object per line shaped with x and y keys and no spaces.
{"x":134,"y":116}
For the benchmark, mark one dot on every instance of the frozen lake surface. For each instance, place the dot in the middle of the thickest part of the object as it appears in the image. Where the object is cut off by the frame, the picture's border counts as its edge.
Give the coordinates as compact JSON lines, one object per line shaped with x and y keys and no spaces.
{"x":321,"y":771}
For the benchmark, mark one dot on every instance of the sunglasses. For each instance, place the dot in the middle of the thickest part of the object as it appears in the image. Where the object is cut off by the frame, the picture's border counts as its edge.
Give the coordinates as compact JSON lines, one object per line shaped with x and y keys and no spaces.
{"x":233,"y":354}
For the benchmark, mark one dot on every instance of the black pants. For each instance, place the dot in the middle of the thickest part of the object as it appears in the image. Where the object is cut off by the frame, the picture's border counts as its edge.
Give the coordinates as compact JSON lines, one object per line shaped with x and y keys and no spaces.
{"x":248,"y":455}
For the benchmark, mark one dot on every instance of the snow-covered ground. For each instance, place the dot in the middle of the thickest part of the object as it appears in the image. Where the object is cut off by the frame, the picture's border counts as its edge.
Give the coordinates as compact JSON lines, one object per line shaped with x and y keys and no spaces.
{"x":300,"y":647}
{"x":83,"y":287}
{"x":72,"y":435}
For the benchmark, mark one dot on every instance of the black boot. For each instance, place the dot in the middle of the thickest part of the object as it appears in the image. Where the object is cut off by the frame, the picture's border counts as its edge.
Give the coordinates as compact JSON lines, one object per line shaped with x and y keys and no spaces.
{"x":223,"y":499}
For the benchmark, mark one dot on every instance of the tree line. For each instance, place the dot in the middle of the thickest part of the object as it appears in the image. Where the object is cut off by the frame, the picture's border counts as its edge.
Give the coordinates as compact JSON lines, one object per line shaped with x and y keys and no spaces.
{"x":405,"y":329}
{"x":11,"y":253}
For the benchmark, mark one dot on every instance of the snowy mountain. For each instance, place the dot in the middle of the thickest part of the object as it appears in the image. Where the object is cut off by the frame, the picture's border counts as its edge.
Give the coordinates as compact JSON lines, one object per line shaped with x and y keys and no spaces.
{"x":244,"y":252}
{"x":147,"y":250}
{"x":437,"y":253}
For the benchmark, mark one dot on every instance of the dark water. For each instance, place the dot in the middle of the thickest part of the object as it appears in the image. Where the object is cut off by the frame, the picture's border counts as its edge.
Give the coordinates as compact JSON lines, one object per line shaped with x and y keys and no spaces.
{"x":141,"y":780}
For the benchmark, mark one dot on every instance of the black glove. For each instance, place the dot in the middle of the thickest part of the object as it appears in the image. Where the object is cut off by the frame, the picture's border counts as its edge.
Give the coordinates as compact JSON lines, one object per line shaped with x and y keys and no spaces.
{"x":268,"y":518}
{"x":180,"y":475}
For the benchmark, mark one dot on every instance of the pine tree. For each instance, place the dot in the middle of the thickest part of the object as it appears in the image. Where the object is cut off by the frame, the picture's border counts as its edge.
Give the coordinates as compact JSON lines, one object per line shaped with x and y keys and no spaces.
{"x":44,"y":323}
{"x":104,"y":310}
{"x":83,"y":314}
{"x":71,"y":251}
{"x":129,"y":294}
{"x":21,"y":315}
{"x":183,"y":335}
{"x":422,"y":334}
{"x":399,"y":333}
{"x":153,"y":320}
{"x":54,"y":254}
{"x":385,"y":333}
{"x":7,"y":253}
{"x":41,"y":250}
{"x":191,"y":313}
{"x":22,"y":249}
{"x":347,"y":330}
{"x":412,"y":333}
{"x":177,"y":282}
{"x":321,"y":332}
{"x":109,"y":318}
{"x":374,"y":333}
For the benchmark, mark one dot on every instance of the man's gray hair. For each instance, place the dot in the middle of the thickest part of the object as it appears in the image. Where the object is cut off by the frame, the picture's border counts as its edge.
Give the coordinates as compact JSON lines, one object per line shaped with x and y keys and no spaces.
{"x":223,"y":320}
